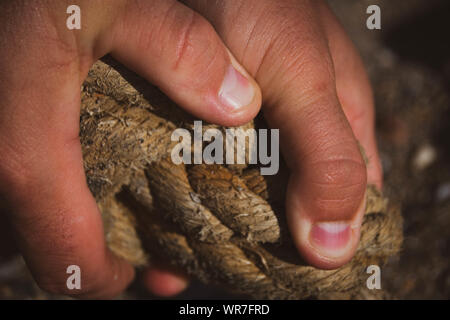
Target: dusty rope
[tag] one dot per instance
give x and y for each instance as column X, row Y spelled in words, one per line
column 221, row 224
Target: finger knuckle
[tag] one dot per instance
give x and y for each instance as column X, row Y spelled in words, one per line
column 194, row 43
column 312, row 67
column 305, row 52
column 340, row 173
column 339, row 186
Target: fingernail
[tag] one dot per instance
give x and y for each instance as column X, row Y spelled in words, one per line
column 330, row 236
column 333, row 238
column 236, row 90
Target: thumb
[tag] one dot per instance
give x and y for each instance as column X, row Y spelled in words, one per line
column 178, row 50
column 293, row 65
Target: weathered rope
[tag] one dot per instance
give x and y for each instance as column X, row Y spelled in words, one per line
column 221, row 224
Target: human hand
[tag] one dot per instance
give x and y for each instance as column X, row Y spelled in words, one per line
column 43, row 64
column 306, row 85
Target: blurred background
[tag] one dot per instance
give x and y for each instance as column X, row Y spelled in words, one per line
column 408, row 61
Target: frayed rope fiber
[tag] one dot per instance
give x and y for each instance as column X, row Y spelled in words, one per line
column 222, row 224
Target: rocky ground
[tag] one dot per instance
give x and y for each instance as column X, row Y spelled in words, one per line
column 408, row 61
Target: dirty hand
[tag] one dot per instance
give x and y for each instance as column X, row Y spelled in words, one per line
column 314, row 90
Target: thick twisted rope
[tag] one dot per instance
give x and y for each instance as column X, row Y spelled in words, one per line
column 221, row 224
